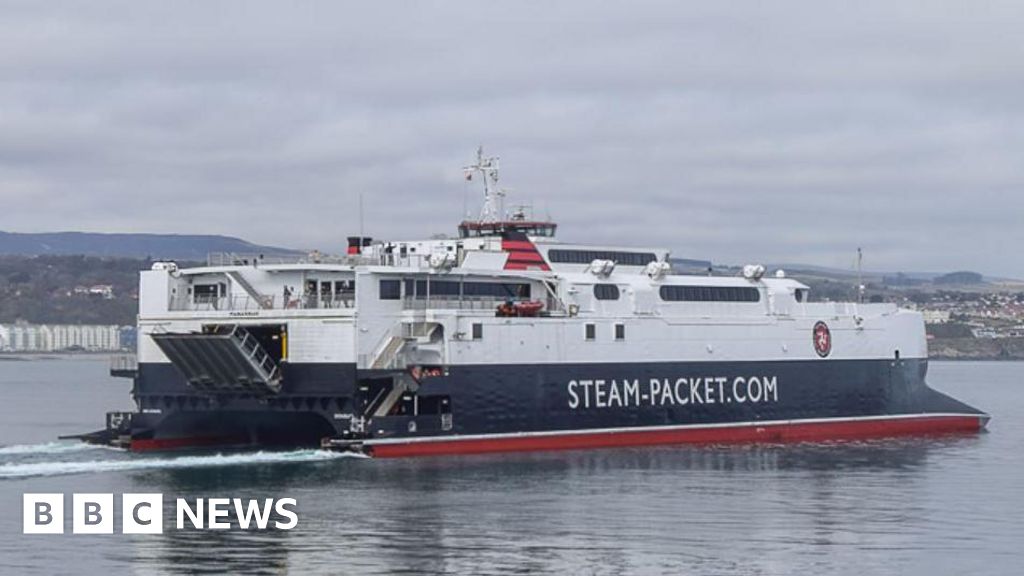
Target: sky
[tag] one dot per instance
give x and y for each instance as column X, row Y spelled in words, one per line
column 738, row 132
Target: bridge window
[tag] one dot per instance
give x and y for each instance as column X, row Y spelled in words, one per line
column 606, row 291
column 709, row 294
column 563, row 256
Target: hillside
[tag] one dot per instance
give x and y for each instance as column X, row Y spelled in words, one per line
column 137, row 246
column 54, row 289
column 976, row 348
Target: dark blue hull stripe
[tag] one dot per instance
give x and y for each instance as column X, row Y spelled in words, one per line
column 508, row 400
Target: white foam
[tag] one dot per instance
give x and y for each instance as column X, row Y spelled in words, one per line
column 146, row 463
column 47, row 448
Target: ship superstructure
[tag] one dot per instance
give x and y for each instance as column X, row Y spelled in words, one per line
column 506, row 339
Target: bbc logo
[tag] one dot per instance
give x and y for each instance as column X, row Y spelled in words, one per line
column 93, row 513
column 144, row 513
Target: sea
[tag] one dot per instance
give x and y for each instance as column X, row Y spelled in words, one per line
column 940, row 505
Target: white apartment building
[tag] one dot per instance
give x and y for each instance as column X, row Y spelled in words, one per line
column 57, row 337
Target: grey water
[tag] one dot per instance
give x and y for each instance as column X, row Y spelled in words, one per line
column 943, row 505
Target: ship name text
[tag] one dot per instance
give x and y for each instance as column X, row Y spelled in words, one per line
column 672, row 392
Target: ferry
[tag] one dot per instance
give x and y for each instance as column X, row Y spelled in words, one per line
column 506, row 339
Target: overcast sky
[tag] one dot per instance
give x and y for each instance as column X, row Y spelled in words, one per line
column 732, row 131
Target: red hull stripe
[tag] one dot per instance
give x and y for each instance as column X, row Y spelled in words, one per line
column 184, row 443
column 745, row 433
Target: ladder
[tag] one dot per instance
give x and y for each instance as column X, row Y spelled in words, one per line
column 265, row 302
column 386, row 358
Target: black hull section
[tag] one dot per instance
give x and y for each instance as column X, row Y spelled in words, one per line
column 319, row 401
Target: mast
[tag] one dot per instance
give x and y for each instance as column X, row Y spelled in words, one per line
column 487, row 167
column 860, row 276
column 493, row 219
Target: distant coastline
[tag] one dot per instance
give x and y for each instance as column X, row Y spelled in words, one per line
column 976, row 349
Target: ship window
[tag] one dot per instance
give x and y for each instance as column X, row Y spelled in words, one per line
column 503, row 290
column 800, row 294
column 206, row 290
column 606, row 291
column 478, row 331
column 590, row 331
column 562, row 256
column 495, row 290
column 208, row 293
column 390, row 290
column 436, row 288
column 620, row 331
column 709, row 294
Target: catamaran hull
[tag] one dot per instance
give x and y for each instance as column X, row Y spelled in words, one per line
column 493, row 408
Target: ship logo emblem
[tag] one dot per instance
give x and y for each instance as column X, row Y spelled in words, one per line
column 822, row 339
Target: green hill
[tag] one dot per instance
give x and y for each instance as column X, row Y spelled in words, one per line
column 54, row 289
column 138, row 246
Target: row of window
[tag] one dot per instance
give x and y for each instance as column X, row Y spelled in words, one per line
column 563, row 256
column 589, row 332
column 689, row 293
column 710, row 294
column 419, row 289
column 474, row 230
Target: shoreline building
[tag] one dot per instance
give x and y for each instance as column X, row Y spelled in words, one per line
column 22, row 337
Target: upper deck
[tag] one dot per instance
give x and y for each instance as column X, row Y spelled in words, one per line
column 500, row 258
column 331, row 287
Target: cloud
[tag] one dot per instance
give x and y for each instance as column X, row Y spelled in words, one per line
column 778, row 132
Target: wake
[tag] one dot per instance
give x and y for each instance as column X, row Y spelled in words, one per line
column 8, row 471
column 48, row 448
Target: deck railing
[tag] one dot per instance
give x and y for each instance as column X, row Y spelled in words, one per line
column 244, row 302
column 489, row 303
column 243, row 259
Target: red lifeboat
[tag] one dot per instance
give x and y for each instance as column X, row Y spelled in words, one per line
column 528, row 309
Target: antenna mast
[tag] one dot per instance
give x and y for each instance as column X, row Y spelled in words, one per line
column 488, row 169
column 860, row 276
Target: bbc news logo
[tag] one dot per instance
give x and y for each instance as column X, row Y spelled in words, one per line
column 144, row 513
